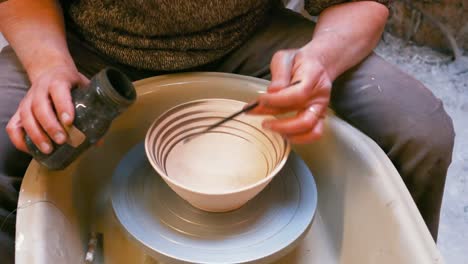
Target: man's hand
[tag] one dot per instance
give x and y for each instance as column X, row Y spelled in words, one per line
column 344, row 35
column 308, row 95
column 36, row 32
column 46, row 109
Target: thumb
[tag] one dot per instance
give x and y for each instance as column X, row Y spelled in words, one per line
column 84, row 81
column 281, row 68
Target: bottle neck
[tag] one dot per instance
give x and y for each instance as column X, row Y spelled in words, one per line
column 115, row 89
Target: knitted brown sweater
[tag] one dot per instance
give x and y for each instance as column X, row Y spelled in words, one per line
column 167, row 35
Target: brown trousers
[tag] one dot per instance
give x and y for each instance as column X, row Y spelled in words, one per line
column 395, row 110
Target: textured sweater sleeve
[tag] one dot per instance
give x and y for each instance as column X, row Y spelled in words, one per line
column 314, row 7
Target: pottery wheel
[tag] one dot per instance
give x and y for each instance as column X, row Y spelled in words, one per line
column 170, row 229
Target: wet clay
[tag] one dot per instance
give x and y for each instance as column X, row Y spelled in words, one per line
column 216, row 162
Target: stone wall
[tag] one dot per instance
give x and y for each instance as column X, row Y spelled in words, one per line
column 407, row 23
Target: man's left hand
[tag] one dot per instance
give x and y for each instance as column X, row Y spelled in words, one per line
column 300, row 84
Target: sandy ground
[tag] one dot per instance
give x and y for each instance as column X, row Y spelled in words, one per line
column 451, row 85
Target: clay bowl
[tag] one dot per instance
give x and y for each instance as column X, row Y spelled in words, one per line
column 219, row 170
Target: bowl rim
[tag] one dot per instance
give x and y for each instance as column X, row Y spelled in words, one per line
column 264, row 180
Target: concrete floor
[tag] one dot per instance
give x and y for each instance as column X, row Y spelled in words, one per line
column 449, row 82
column 451, row 85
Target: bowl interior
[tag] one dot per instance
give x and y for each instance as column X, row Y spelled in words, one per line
column 236, row 155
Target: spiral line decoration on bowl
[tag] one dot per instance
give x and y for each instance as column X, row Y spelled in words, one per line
column 235, row 160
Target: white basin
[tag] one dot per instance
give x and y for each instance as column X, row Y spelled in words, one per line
column 365, row 213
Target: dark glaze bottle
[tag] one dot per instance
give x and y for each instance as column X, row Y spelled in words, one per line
column 96, row 106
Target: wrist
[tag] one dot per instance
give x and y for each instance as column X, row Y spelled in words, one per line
column 46, row 61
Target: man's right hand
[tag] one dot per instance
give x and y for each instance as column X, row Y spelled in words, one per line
column 36, row 32
column 46, row 109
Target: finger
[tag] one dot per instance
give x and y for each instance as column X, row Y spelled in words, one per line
column 281, row 70
column 310, row 136
column 15, row 131
column 264, row 110
column 295, row 96
column 44, row 114
column 62, row 100
column 33, row 129
column 303, row 122
column 84, row 81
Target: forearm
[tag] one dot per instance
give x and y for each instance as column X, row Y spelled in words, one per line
column 345, row 34
column 35, row 30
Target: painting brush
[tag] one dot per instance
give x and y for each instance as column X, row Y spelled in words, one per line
column 224, row 120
